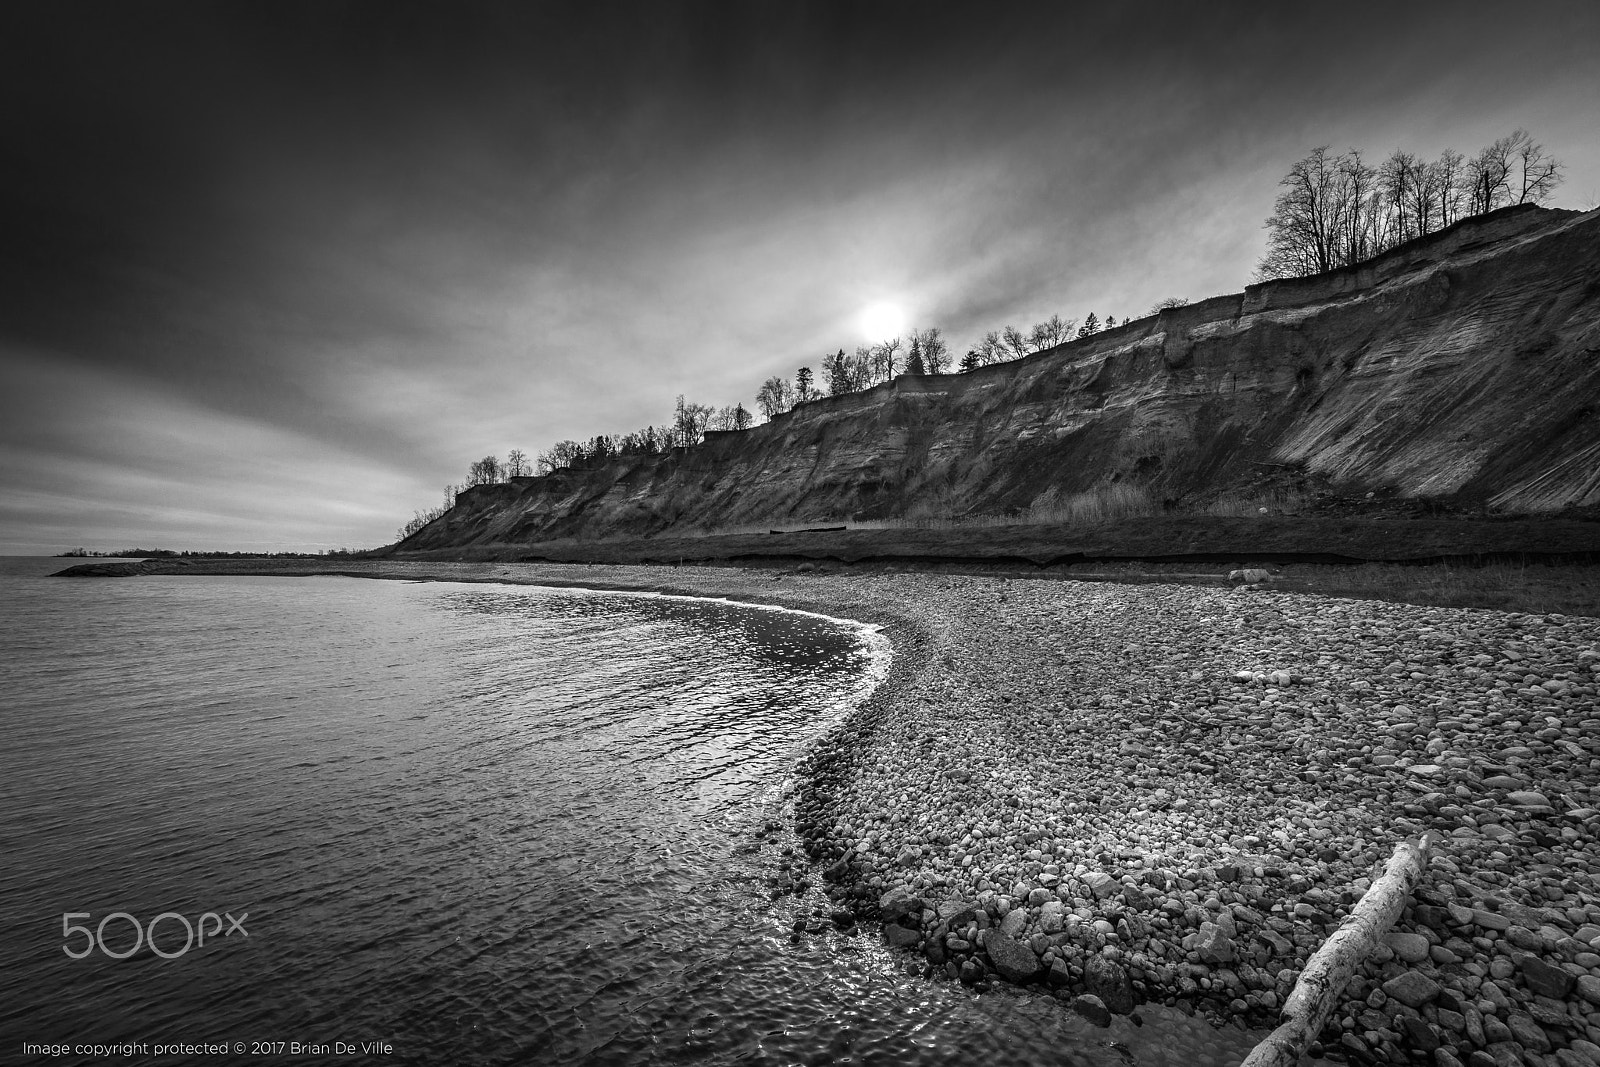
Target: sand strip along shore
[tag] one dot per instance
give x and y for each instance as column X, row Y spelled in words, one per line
column 1172, row 793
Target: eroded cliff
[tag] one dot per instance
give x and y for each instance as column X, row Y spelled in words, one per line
column 1462, row 368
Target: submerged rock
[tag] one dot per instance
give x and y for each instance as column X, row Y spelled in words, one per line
column 1092, row 1008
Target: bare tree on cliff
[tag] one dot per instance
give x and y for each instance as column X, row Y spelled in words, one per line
column 1355, row 216
column 1051, row 332
column 1488, row 177
column 1335, row 211
column 516, row 463
column 1016, row 345
column 732, row 417
column 935, row 354
column 1449, row 176
column 485, row 471
column 1425, row 192
column 885, row 356
column 775, row 397
column 1169, row 302
column 1304, row 219
column 1398, row 178
column 561, row 454
column 1513, row 170
column 861, row 369
column 991, row 349
column 1535, row 172
column 689, row 422
column 802, row 385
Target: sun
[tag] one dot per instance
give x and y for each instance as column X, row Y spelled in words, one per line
column 882, row 321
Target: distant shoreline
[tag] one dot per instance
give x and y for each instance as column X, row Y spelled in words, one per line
column 1510, row 566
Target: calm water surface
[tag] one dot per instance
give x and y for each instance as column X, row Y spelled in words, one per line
column 483, row 824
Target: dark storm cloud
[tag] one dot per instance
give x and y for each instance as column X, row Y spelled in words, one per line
column 359, row 244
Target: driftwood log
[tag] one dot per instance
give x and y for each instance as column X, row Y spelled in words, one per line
column 1306, row 1010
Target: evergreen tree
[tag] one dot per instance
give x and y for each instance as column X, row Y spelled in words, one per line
column 914, row 360
column 839, row 372
column 971, row 361
column 1090, row 325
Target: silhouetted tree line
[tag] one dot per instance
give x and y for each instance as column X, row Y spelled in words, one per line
column 1002, row 346
column 1338, row 210
column 688, row 427
column 689, row 424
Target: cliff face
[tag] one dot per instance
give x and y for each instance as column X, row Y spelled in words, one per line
column 1462, row 368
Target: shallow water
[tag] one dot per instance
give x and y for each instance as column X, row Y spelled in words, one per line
column 482, row 824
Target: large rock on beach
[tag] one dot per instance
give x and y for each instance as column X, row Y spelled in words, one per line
column 1214, row 946
column 1544, row 978
column 1109, row 981
column 1014, row 961
column 1413, row 989
column 958, row 913
column 899, row 905
column 1412, row 948
column 1100, row 884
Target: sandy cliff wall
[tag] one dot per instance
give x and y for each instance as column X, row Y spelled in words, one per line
column 1463, row 367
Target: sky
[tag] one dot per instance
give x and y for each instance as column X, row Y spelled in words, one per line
column 273, row 274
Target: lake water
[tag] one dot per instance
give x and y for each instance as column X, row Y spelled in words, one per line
column 474, row 823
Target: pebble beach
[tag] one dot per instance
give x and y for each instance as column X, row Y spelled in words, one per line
column 1132, row 794
column 1169, row 793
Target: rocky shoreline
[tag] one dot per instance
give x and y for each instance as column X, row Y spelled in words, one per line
column 1161, row 793
column 1171, row 794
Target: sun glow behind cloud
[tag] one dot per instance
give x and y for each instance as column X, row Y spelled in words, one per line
column 881, row 321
